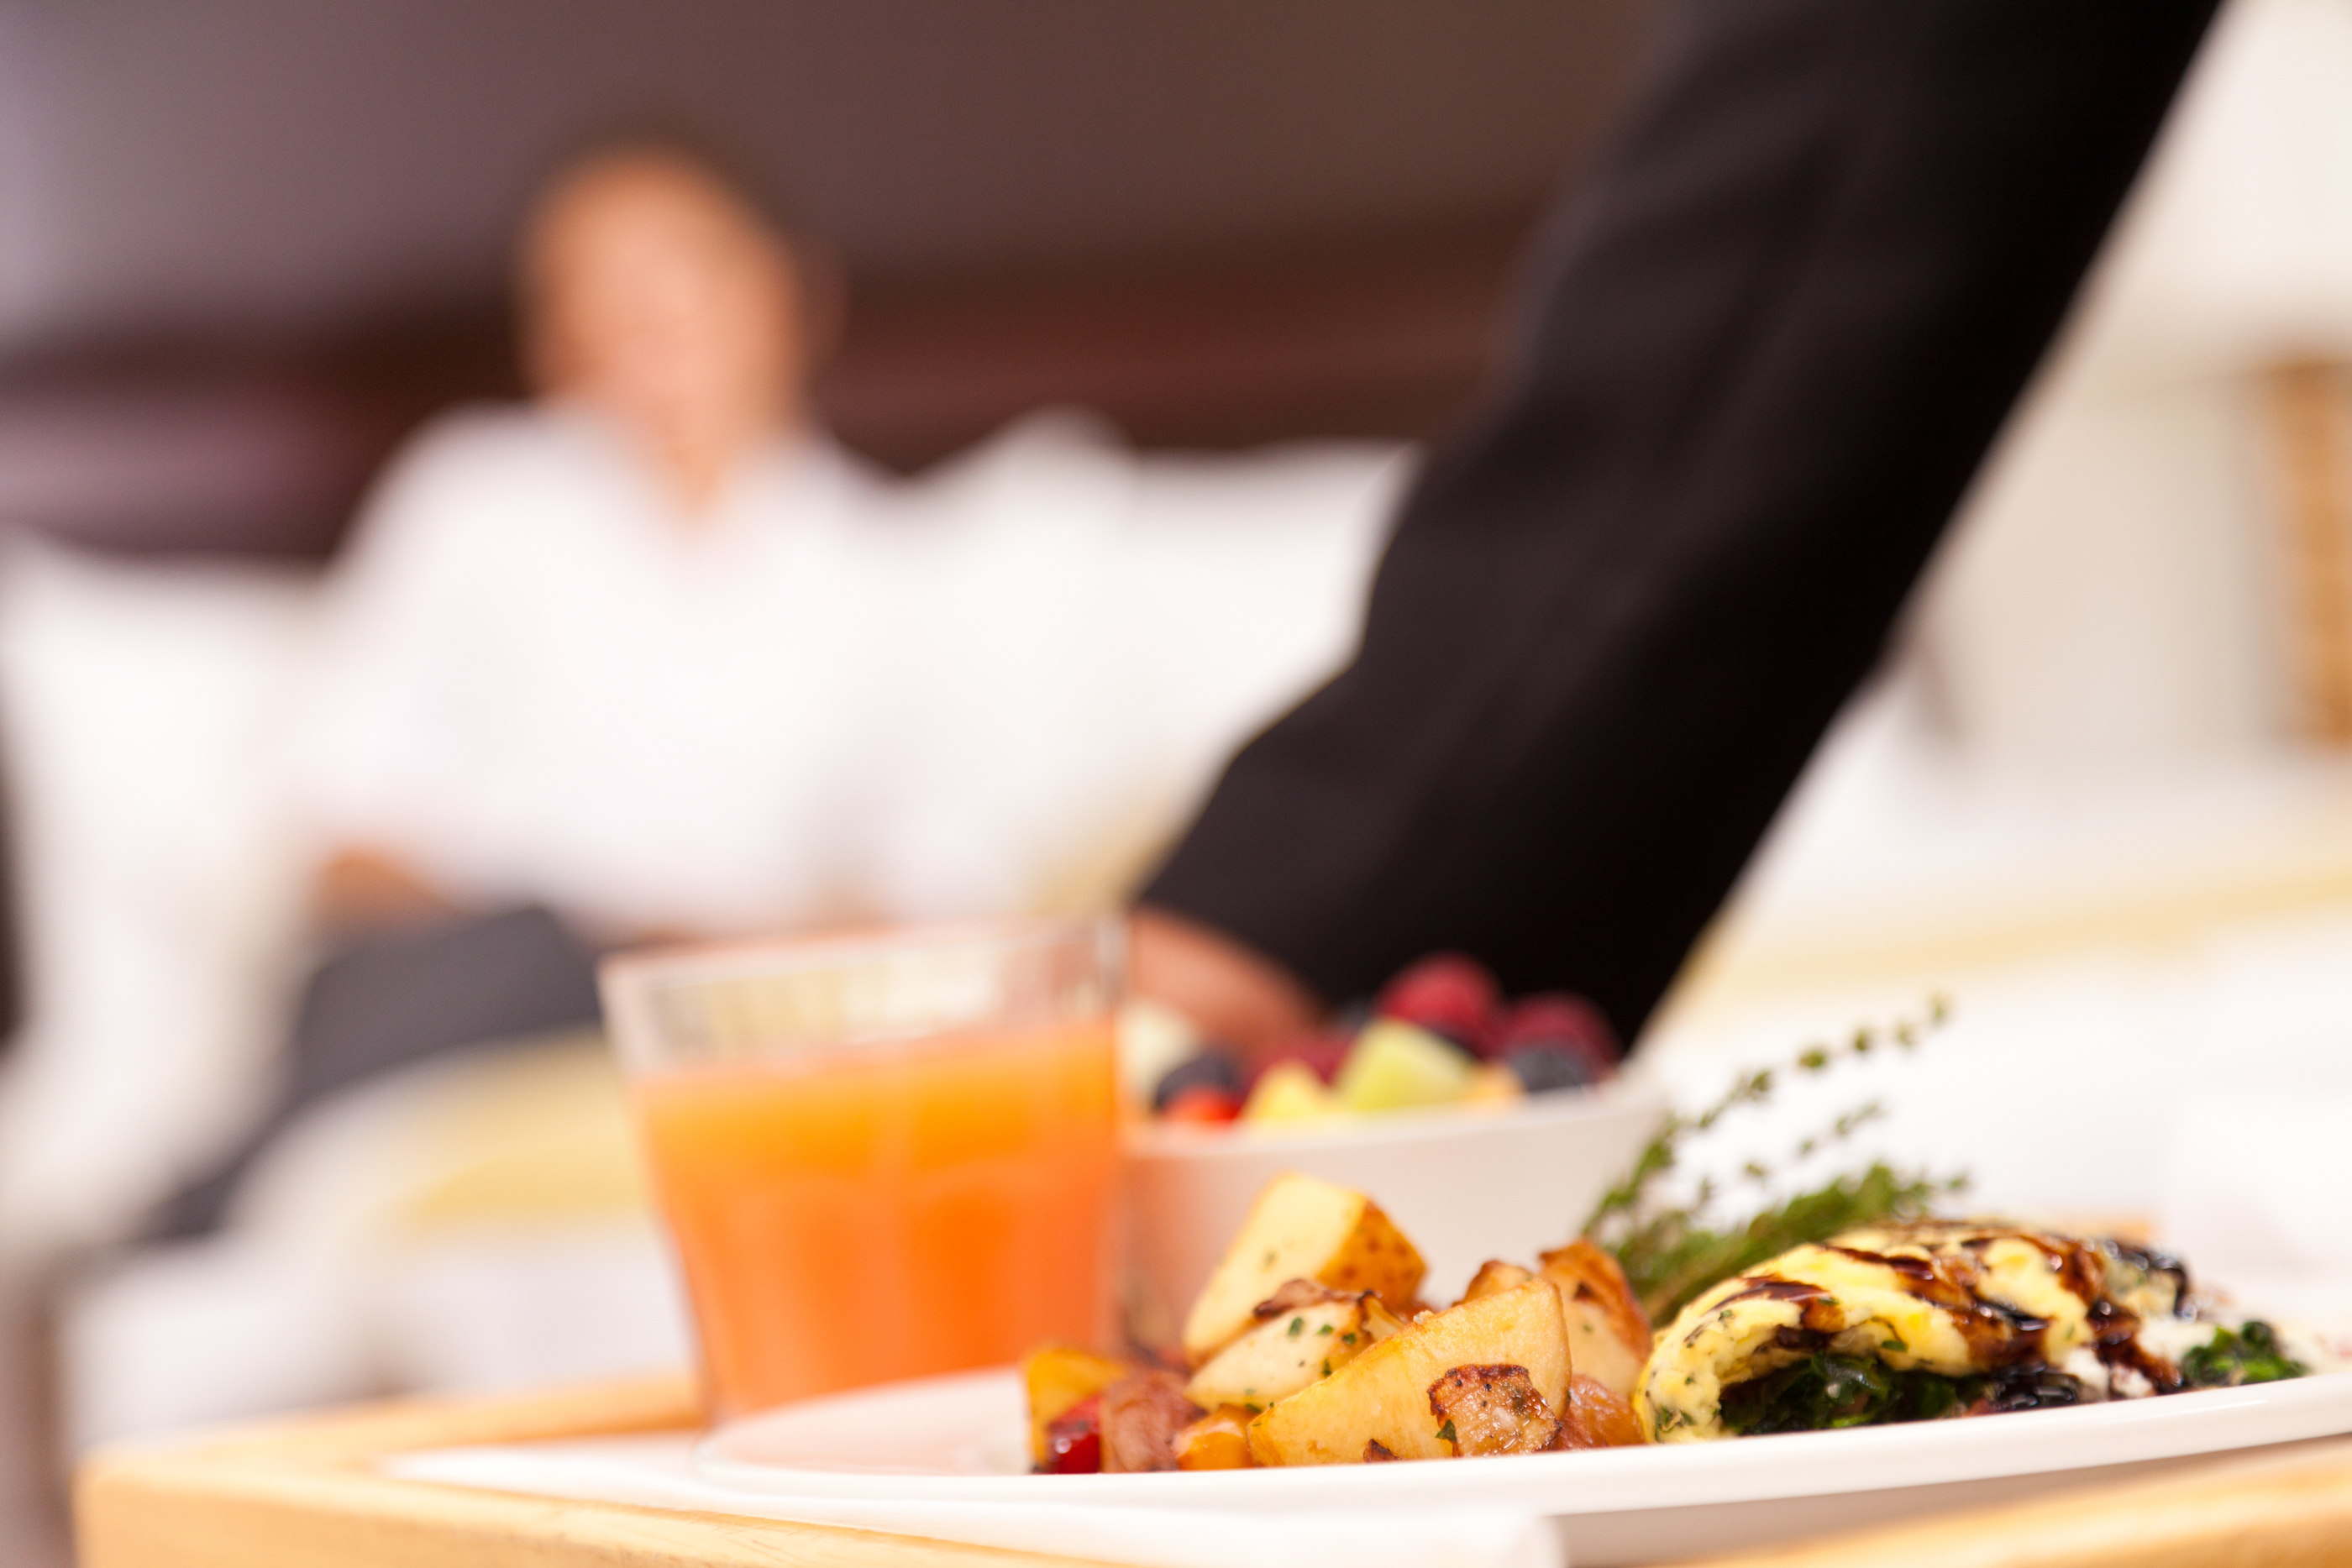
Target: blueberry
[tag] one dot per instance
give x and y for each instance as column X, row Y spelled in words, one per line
column 1210, row 1068
column 1541, row 1068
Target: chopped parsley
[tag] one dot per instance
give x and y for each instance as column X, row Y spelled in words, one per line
column 1446, row 1431
column 1324, row 1329
column 1296, row 1325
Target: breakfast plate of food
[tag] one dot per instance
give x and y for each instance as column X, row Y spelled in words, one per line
column 1912, row 1363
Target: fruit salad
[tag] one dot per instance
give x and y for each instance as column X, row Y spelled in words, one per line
column 1441, row 1033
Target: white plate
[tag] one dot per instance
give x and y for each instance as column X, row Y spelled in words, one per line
column 962, row 1438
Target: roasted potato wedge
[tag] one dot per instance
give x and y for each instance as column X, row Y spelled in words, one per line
column 1383, row 1396
column 1596, row 1418
column 1059, row 1377
column 1381, row 1323
column 1285, row 1351
column 1301, row 1228
column 1494, row 1277
column 1606, row 1326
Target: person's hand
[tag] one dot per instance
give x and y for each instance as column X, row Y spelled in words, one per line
column 1230, row 991
column 363, row 889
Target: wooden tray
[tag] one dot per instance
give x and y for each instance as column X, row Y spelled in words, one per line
column 303, row 1493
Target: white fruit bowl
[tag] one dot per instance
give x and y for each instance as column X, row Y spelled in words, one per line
column 1465, row 1184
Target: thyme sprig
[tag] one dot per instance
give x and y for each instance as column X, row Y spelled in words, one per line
column 1671, row 1253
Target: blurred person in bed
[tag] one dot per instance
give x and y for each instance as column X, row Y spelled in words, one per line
column 595, row 664
column 569, row 647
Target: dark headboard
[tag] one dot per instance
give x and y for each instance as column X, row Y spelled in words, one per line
column 245, row 246
column 248, row 244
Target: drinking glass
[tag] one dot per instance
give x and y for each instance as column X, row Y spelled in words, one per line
column 882, row 1156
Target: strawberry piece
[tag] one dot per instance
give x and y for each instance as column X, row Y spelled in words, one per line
column 1073, row 1439
column 1204, row 1104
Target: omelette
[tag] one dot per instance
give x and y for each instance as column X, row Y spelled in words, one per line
column 1934, row 1319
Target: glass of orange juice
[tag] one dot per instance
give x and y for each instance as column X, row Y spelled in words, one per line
column 881, row 1156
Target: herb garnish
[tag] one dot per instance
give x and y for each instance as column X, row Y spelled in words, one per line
column 2252, row 1355
column 1671, row 1254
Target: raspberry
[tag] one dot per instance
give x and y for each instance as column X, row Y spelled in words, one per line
column 1450, row 994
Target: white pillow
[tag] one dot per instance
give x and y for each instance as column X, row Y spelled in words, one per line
column 1098, row 630
column 144, row 710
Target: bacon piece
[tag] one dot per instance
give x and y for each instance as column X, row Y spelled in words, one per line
column 1142, row 1413
column 1492, row 1410
column 1292, row 1294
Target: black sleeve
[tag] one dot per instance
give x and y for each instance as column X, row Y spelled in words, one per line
column 1770, row 344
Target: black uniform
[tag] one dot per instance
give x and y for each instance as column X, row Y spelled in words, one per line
column 1770, row 344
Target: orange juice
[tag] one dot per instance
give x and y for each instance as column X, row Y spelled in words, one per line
column 885, row 1211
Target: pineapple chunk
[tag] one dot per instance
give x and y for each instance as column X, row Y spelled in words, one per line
column 1301, row 1228
column 1383, row 1396
column 1217, row 1441
column 1606, row 1325
column 1058, row 1377
column 1289, row 1092
column 1290, row 1347
column 1492, row 1086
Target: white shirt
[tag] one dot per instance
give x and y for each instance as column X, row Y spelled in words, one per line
column 543, row 682
column 1000, row 689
